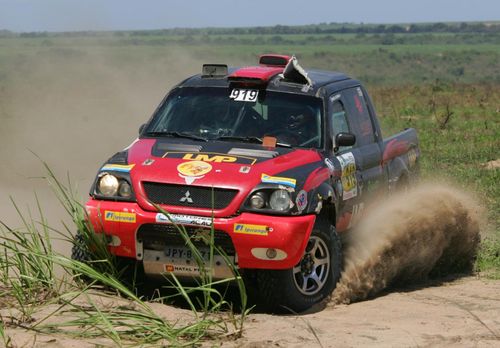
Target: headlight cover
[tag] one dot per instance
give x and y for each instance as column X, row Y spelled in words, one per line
column 108, row 185
column 113, row 186
column 280, row 200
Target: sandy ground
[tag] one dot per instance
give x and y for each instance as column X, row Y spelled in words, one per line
column 461, row 313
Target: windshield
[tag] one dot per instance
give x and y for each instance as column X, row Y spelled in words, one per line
column 220, row 113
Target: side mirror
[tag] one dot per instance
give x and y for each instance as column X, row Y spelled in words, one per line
column 141, row 128
column 344, row 139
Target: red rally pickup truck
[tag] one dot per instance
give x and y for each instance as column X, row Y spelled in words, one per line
column 278, row 159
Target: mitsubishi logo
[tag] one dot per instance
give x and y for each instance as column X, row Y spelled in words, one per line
column 187, row 197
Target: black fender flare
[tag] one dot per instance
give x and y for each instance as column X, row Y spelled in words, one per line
column 323, row 200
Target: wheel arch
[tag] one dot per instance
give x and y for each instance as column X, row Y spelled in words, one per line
column 322, row 204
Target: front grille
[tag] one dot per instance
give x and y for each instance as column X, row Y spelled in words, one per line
column 198, row 196
column 158, row 236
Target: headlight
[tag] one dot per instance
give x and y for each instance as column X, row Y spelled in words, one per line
column 125, row 190
column 108, row 185
column 257, row 201
column 280, row 200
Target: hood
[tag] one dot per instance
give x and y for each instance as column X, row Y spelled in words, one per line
column 228, row 167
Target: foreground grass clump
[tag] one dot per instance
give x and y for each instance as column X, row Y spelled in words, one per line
column 89, row 300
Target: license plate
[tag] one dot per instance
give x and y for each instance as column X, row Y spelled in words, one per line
column 185, row 253
column 181, row 262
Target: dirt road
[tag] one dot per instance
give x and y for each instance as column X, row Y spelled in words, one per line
column 461, row 313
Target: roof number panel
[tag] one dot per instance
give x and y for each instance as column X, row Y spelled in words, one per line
column 246, row 95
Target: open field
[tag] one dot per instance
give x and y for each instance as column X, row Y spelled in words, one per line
column 76, row 100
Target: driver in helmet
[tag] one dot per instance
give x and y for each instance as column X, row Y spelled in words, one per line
column 301, row 125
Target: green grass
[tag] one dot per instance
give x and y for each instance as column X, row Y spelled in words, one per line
column 27, row 264
column 457, row 149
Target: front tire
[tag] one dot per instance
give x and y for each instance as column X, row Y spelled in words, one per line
column 311, row 281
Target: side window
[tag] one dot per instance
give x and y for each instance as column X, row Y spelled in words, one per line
column 360, row 117
column 338, row 118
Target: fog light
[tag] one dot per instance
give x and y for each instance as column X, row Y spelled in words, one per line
column 125, row 190
column 257, row 201
column 271, row 253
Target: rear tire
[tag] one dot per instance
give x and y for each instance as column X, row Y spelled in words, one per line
column 311, row 281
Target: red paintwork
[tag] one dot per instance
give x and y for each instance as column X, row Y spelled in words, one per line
column 316, row 178
column 262, row 73
column 289, row 234
column 223, row 175
column 393, row 149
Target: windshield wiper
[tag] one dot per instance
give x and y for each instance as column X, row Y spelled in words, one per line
column 177, row 135
column 248, row 139
column 240, row 138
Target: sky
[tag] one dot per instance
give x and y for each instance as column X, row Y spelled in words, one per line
column 77, row 15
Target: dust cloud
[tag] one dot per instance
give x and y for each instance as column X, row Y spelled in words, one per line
column 74, row 106
column 432, row 229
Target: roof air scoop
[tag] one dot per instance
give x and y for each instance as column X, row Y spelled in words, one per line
column 274, row 60
column 293, row 72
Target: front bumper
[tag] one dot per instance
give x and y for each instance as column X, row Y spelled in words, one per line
column 252, row 234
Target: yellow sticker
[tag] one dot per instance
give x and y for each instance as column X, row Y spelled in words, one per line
column 118, row 216
column 278, row 180
column 259, row 230
column 118, row 167
column 194, row 168
column 208, row 158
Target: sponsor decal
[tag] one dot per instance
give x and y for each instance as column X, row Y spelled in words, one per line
column 349, row 180
column 118, row 216
column 286, row 188
column 211, row 157
column 357, row 212
column 301, row 200
column 259, row 230
column 267, row 179
column 184, row 269
column 148, row 162
column 334, row 97
column 329, row 164
column 118, row 167
column 183, row 219
column 192, row 170
column 359, row 106
column 245, row 169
